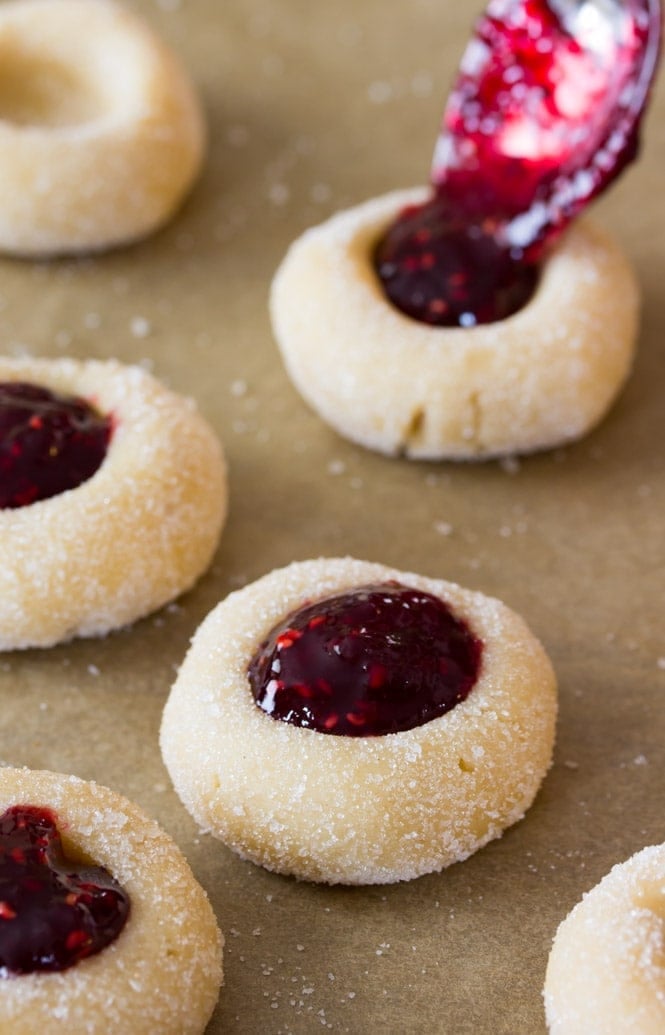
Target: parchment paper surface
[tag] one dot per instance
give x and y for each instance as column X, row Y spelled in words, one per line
column 313, row 107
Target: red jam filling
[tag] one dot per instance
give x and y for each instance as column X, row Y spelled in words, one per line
column 374, row 660
column 53, row 911
column 48, row 443
column 544, row 115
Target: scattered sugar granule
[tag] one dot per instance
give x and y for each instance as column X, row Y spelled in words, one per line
column 510, row 465
column 320, row 193
column 237, row 136
column 279, row 193
column 661, row 663
column 63, row 339
column 238, row 388
column 380, row 91
column 422, row 84
column 443, row 527
column 350, row 35
column 140, row 326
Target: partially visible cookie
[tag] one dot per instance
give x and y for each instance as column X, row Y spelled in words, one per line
column 539, row 378
column 606, row 971
column 160, row 973
column 134, row 534
column 101, row 132
column 331, row 799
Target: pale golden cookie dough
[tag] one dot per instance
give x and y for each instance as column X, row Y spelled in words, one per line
column 163, row 972
column 356, row 810
column 542, row 377
column 135, row 535
column 101, row 133
column 606, row 971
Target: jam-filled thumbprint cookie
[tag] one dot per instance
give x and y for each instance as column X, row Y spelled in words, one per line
column 101, row 132
column 348, row 723
column 470, row 319
column 112, row 498
column 103, row 928
column 606, row 971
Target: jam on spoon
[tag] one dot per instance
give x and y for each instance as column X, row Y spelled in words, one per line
column 369, row 661
column 544, row 115
column 48, row 443
column 53, row 911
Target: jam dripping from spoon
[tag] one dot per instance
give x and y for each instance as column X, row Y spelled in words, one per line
column 544, row 115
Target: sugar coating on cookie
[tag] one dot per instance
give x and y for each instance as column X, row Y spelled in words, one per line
column 606, row 970
column 135, row 535
column 542, row 377
column 101, row 132
column 163, row 971
column 356, row 810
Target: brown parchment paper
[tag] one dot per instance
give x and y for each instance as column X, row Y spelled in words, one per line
column 311, row 107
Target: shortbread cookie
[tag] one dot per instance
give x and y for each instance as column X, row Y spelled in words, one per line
column 160, row 968
column 539, row 378
column 136, row 530
column 606, row 971
column 308, row 779
column 101, row 133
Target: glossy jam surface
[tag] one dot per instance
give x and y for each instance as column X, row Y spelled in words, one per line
column 544, row 115
column 48, row 443
column 370, row 661
column 443, row 270
column 53, row 911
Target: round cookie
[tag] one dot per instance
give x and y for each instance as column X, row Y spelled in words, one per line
column 135, row 535
column 606, row 971
column 539, row 378
column 101, row 133
column 163, row 971
column 356, row 810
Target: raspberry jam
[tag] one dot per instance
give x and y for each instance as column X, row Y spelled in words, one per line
column 374, row 660
column 544, row 115
column 48, row 443
column 53, row 911
column 439, row 268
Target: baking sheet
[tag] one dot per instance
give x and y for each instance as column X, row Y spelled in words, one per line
column 312, row 107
